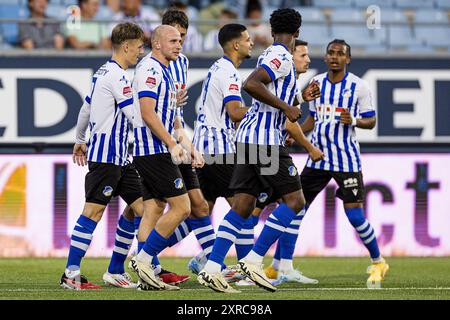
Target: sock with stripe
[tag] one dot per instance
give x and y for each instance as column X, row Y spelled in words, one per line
column 255, row 220
column 154, row 244
column 276, row 257
column 124, row 239
column 274, row 227
column 287, row 241
column 365, row 231
column 181, row 232
column 245, row 239
column 204, row 232
column 226, row 235
column 79, row 243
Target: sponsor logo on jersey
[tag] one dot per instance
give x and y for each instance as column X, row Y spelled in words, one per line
column 127, row 91
column 275, row 63
column 151, row 82
column 178, row 183
column 234, row 88
column 107, row 191
column 263, row 197
column 292, row 171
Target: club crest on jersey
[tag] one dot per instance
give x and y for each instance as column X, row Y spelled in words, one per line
column 127, row 91
column 263, row 197
column 292, row 171
column 346, row 93
column 107, row 191
column 178, row 183
column 350, row 183
column 275, row 63
column 151, row 82
column 234, row 88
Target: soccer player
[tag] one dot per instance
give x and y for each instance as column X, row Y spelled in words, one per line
column 158, row 150
column 345, row 103
column 214, row 135
column 272, row 86
column 109, row 107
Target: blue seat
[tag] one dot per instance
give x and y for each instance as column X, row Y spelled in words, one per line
column 355, row 36
column 418, row 49
column 69, row 2
column 333, row 4
column 414, row 4
column 56, row 11
column 10, row 31
column 443, row 4
column 401, row 36
column 104, row 12
column 311, row 14
column 430, row 16
column 393, row 16
column 348, row 15
column 381, row 3
column 316, row 35
column 436, row 36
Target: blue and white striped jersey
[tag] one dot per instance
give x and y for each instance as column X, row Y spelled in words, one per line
column 264, row 124
column 338, row 141
column 153, row 79
column 179, row 69
column 214, row 131
column 111, row 102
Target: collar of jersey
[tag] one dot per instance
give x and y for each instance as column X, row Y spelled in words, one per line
column 114, row 61
column 228, row 59
column 163, row 66
column 345, row 77
column 280, row 44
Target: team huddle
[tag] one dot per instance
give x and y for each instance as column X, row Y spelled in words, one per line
column 239, row 153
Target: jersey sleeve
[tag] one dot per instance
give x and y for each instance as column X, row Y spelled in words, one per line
column 148, row 83
column 121, row 90
column 365, row 103
column 277, row 65
column 231, row 86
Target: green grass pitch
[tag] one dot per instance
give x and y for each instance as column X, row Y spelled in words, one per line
column 340, row 278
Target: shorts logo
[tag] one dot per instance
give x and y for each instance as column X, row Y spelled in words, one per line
column 234, row 88
column 351, row 183
column 178, row 183
column 151, row 82
column 346, row 93
column 292, row 171
column 107, row 191
column 263, row 197
column 275, row 63
column 127, row 91
column 355, row 192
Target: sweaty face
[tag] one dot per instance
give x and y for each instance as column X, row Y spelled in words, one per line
column 135, row 48
column 301, row 59
column 171, row 44
column 337, row 57
column 245, row 45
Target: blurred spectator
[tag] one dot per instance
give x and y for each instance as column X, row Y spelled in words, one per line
column 132, row 10
column 113, row 5
column 88, row 34
column 211, row 41
column 194, row 40
column 107, row 11
column 211, row 12
column 259, row 32
column 39, row 34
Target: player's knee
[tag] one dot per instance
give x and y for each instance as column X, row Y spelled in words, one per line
column 296, row 203
column 182, row 208
column 244, row 205
column 200, row 209
column 93, row 211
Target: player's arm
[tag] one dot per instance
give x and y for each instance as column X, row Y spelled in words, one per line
column 295, row 131
column 197, row 159
column 367, row 117
column 79, row 149
column 311, row 92
column 363, row 123
column 255, row 85
column 308, row 124
column 236, row 110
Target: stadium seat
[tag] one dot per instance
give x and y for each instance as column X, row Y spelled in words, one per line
column 70, row 2
column 347, row 15
column 431, row 16
column 393, row 16
column 332, row 4
column 316, row 35
column 443, row 4
column 10, row 31
column 436, row 36
column 414, row 4
column 104, row 12
column 381, row 3
column 401, row 36
column 56, row 11
column 356, row 36
column 419, row 49
column 311, row 14
column 375, row 49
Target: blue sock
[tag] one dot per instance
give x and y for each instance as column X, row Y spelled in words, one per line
column 204, row 232
column 228, row 231
column 289, row 237
column 277, row 255
column 364, row 229
column 181, row 232
column 124, row 239
column 245, row 239
column 255, row 220
column 155, row 261
column 140, row 245
column 154, row 244
column 80, row 241
column 274, row 227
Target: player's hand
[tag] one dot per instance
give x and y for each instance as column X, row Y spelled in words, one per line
column 197, row 159
column 346, row 117
column 182, row 98
column 293, row 113
column 79, row 154
column 312, row 91
column 289, row 141
column 178, row 154
column 316, row 154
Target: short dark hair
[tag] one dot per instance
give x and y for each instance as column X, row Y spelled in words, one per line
column 230, row 32
column 126, row 31
column 175, row 17
column 343, row 42
column 285, row 21
column 299, row 42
